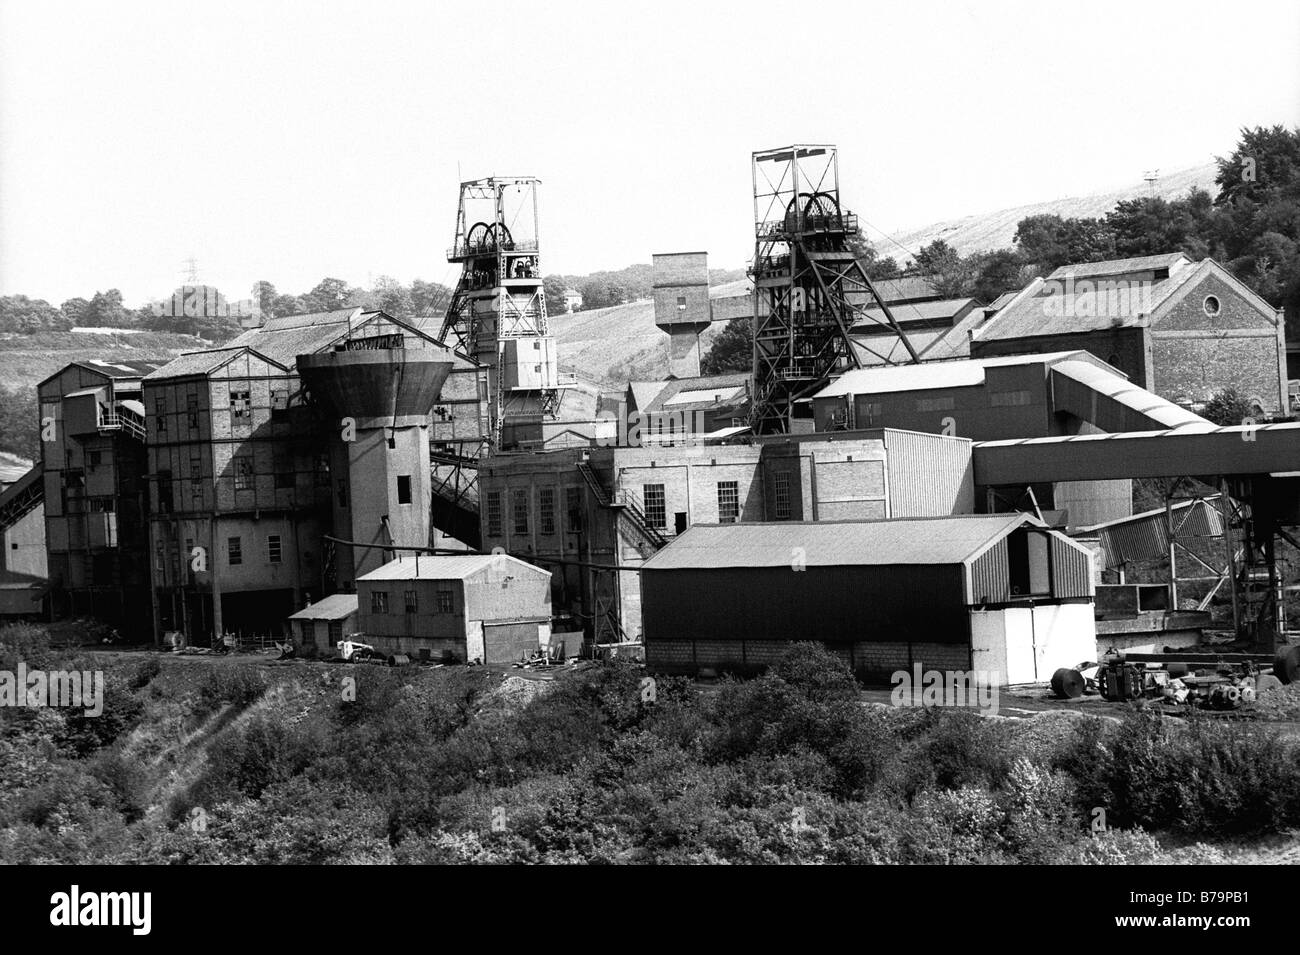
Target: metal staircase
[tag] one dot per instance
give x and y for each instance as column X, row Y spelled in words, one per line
column 628, row 510
column 21, row 497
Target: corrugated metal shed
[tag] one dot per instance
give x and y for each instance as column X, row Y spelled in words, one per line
column 1145, row 536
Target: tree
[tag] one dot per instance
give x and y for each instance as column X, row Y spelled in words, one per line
column 391, row 296
column 429, row 299
column 886, row 268
column 19, row 423
column 264, row 294
column 18, row 313
column 1229, row 407
column 74, row 310
column 950, row 273
column 553, row 288
column 328, row 295
column 995, row 273
column 106, row 309
column 732, row 350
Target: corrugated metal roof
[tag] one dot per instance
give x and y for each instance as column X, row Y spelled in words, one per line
column 439, row 567
column 934, row 540
column 951, row 374
column 333, row 607
column 1115, row 386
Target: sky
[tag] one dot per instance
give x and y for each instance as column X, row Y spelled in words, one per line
column 293, row 141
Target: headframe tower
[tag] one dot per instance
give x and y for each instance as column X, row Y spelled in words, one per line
column 497, row 315
column 809, row 287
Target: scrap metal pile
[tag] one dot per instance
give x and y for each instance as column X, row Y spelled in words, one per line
column 1214, row 681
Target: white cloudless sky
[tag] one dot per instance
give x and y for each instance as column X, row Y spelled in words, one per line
column 293, row 141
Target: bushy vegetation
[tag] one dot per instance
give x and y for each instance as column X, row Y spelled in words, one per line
column 446, row 767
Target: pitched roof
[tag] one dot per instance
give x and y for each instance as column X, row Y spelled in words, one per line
column 927, row 540
column 947, row 374
column 705, row 391
column 1104, row 298
column 283, row 339
column 1142, row 263
column 333, row 607
column 440, row 567
column 195, row 363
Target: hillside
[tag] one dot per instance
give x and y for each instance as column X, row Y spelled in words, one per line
column 996, row 230
column 27, row 360
column 621, row 343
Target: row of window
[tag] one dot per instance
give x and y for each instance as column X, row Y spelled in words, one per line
column 234, row 551
column 653, row 497
column 444, row 601
column 241, row 407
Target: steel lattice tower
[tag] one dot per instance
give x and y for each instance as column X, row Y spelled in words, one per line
column 809, row 288
column 497, row 314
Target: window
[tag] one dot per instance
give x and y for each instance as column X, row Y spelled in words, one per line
column 573, row 508
column 681, row 303
column 102, row 505
column 159, row 556
column 519, row 508
column 1007, row 399
column 379, row 601
column 403, row 489
column 934, row 404
column 273, row 548
column 494, row 514
column 196, row 472
column 322, row 470
column 279, row 401
column 160, row 414
column 243, row 464
column 241, row 405
column 282, row 465
column 93, row 460
column 872, row 412
column 1211, row 305
column 234, row 551
column 411, row 601
column 656, row 511
column 446, row 602
column 1028, row 563
column 728, row 502
column 343, row 493
column 192, row 409
column 781, row 486
column 546, row 509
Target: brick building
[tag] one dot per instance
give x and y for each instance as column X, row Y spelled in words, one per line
column 1180, row 329
column 486, row 608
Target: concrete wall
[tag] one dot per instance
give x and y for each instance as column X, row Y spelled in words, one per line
column 22, row 545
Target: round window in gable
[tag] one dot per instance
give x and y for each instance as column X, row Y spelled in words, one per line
column 1211, row 305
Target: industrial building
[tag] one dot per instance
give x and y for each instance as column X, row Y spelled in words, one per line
column 320, row 626
column 94, row 490
column 594, row 515
column 997, row 593
column 254, row 458
column 270, row 483
column 483, row 608
column 1183, row 330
